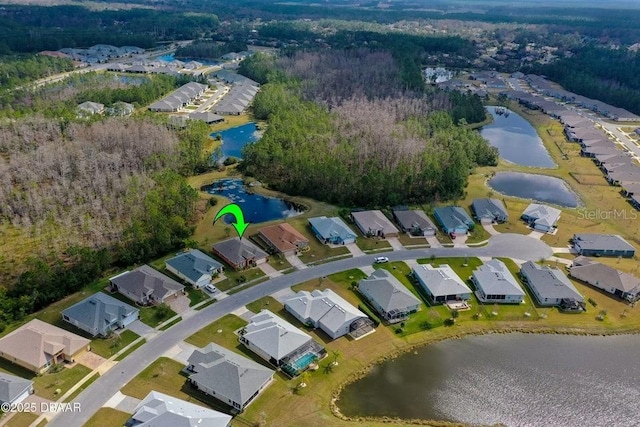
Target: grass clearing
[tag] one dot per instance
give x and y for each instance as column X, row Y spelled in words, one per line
column 227, row 325
column 195, row 295
column 107, row 347
column 279, row 262
column 265, row 303
column 370, row 244
column 82, row 387
column 108, row 417
column 45, row 385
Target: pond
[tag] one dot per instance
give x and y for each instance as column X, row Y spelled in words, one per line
column 513, row 379
column 516, row 140
column 544, row 189
column 256, row 208
column 234, row 139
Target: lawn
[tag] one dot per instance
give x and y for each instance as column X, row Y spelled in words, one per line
column 478, row 234
column 370, row 244
column 195, row 295
column 22, row 419
column 279, row 262
column 46, row 384
column 408, row 241
column 265, row 303
column 152, row 315
column 107, row 347
column 131, row 350
column 82, row 387
column 227, row 326
column 108, row 417
column 237, row 278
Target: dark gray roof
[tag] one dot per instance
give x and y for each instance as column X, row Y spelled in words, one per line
column 409, row 219
column 603, row 276
column 372, row 221
column 453, row 216
column 99, row 311
column 206, row 117
column 194, row 264
column 608, row 242
column 274, row 335
column 549, row 282
column 161, row 410
column 228, row 373
column 144, row 281
column 238, row 250
column 489, row 208
column 388, row 292
column 11, row 387
column 331, row 227
column 495, row 279
column 441, row 280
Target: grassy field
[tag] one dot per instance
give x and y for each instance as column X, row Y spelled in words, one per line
column 266, row 303
column 82, row 387
column 46, row 385
column 22, row 419
column 369, row 244
column 108, row 417
column 195, row 295
column 227, row 326
column 107, row 347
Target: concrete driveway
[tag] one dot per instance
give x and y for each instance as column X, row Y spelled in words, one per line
column 269, row 271
column 395, row 243
column 181, row 352
column 296, row 262
column 179, row 303
column 355, row 250
column 140, row 328
column 489, row 228
column 90, row 360
column 433, row 242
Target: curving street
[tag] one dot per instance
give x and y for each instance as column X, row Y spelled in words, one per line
column 514, row 246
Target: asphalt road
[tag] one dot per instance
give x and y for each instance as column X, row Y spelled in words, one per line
column 95, row 396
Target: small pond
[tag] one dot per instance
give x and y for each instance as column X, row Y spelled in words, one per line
column 514, row 379
column 234, row 139
column 544, row 189
column 256, row 207
column 516, row 140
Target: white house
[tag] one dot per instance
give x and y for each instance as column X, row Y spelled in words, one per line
column 495, row 284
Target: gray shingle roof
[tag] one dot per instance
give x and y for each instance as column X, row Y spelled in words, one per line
column 332, row 227
column 228, row 373
column 411, row 219
column 145, row 280
column 161, row 410
column 388, row 292
column 373, row 221
column 489, row 208
column 609, row 242
column 453, row 217
column 549, row 282
column 603, row 276
column 274, row 335
column 441, row 280
column 495, row 279
column 194, row 264
column 543, row 214
column 99, row 311
column 12, row 387
column 238, row 250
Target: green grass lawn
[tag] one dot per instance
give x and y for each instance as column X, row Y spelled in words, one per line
column 195, row 295
column 82, row 387
column 478, row 234
column 107, row 347
column 22, row 419
column 227, row 338
column 108, row 417
column 236, row 278
column 372, row 244
column 170, row 324
column 131, row 350
column 265, row 303
column 46, row 384
column 278, row 261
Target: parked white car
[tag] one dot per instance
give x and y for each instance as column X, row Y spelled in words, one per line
column 381, row 259
column 211, row 289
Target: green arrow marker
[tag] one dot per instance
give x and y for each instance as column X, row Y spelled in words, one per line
column 240, row 225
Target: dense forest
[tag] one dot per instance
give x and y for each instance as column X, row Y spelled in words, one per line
column 344, row 128
column 609, row 75
column 207, row 49
column 18, row 70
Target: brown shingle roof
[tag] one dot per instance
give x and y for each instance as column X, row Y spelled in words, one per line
column 283, row 237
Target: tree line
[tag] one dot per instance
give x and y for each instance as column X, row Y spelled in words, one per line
column 208, row 49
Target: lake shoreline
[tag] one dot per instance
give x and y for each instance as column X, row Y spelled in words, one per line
column 543, row 330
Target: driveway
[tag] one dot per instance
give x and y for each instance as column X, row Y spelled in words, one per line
column 283, row 295
column 296, row 262
column 489, row 228
column 433, row 242
column 460, row 241
column 355, row 250
column 90, row 360
column 395, row 243
column 140, row 328
column 179, row 303
column 536, row 234
column 269, row 271
column 181, row 352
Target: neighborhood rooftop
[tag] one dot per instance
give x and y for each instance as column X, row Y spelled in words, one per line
column 387, row 291
column 273, row 335
column 549, row 283
column 607, row 278
column 374, row 223
column 414, row 220
column 193, row 265
column 332, row 230
column 13, row 388
column 238, row 251
column 440, row 281
column 490, row 210
column 602, row 244
column 99, row 314
column 146, row 282
column 494, row 280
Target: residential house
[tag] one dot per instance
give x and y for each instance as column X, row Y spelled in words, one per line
column 453, row 220
column 121, row 109
column 615, row 282
column 194, row 267
column 89, row 108
column 181, row 97
column 551, row 287
column 611, row 245
column 495, row 284
column 161, row 410
column 37, row 346
column 441, row 284
column 489, row 211
column 208, row 118
column 283, row 239
column 326, row 310
column 332, row 230
column 239, row 253
column 14, row 390
column 146, row 286
column 100, row 314
column 388, row 296
column 227, row 376
column 414, row 222
column 374, row 224
column 280, row 343
column 541, row 217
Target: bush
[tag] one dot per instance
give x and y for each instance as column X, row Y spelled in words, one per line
column 449, row 322
column 212, row 201
column 230, row 161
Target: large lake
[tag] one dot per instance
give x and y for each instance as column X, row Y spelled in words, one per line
column 516, row 140
column 255, row 207
column 514, row 379
column 544, row 189
column 234, row 139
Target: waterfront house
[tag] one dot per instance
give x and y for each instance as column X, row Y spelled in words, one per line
column 326, row 310
column 146, row 286
column 488, row 211
column 194, row 267
column 283, row 239
column 441, row 284
column 239, row 253
column 453, row 220
column 608, row 279
column 100, row 314
column 551, row 287
column 227, row 376
column 332, row 230
column 611, row 245
column 374, row 224
column 37, row 346
column 495, row 284
column 541, row 217
column 161, row 410
column 414, row 222
column 388, row 296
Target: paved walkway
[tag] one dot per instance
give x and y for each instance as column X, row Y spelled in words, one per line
column 269, row 271
column 489, row 228
column 367, row 269
column 355, row 250
column 433, row 242
column 566, row 250
column 296, row 262
column 536, row 234
column 140, row 328
column 395, row 243
column 90, row 360
column 181, row 352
